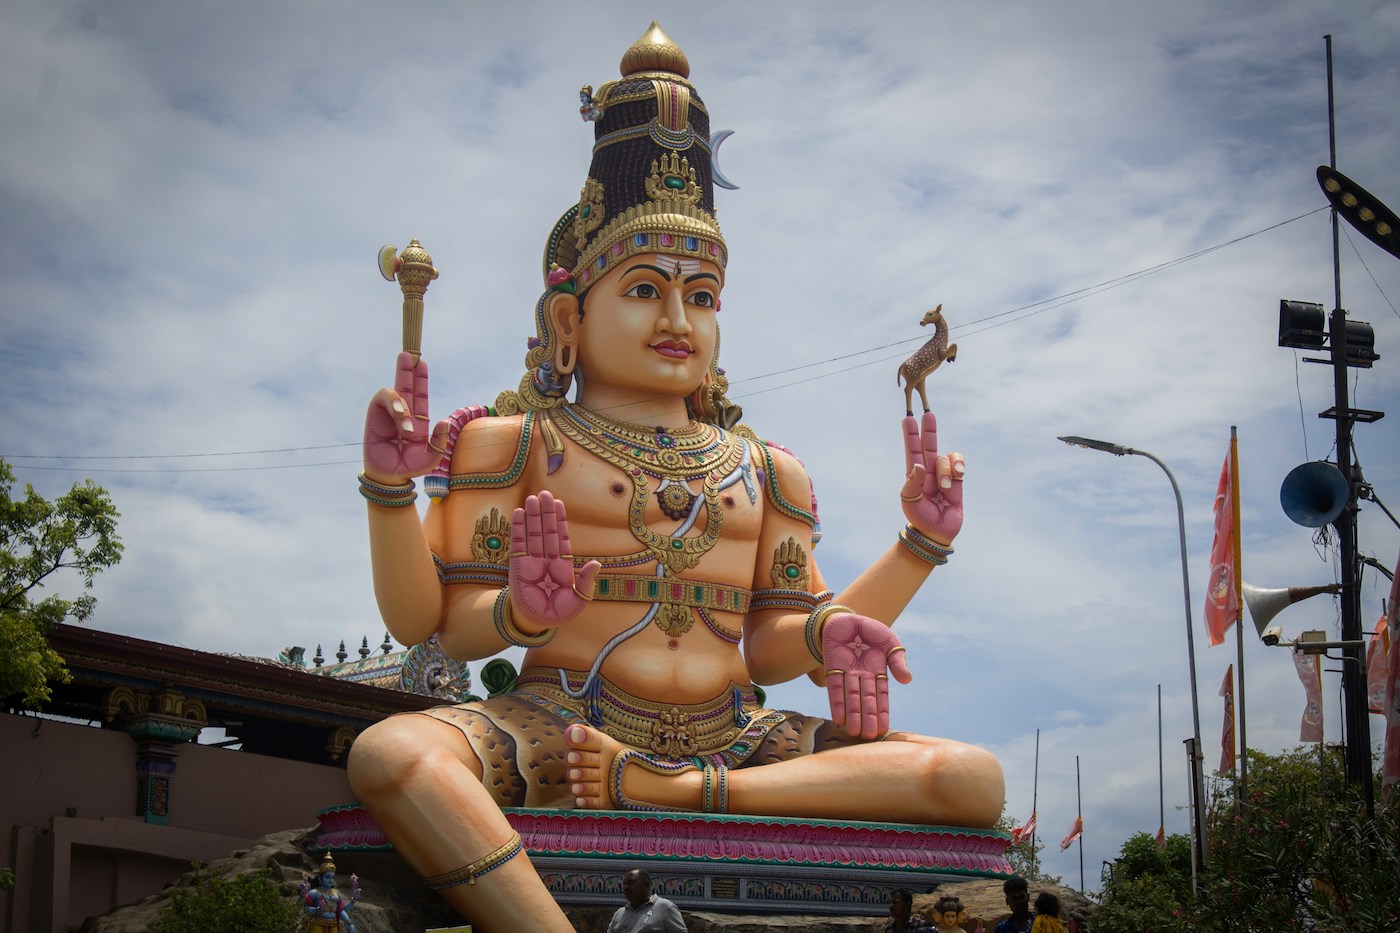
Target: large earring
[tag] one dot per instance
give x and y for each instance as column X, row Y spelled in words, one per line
column 709, row 402
column 542, row 387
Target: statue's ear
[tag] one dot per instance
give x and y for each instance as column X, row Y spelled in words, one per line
column 564, row 314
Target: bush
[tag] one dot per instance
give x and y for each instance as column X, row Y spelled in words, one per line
column 1146, row 904
column 1302, row 852
column 247, row 903
column 1299, row 853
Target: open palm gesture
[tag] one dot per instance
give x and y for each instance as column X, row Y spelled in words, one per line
column 861, row 653
column 543, row 586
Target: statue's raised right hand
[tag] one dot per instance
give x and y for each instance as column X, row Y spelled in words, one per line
column 543, row 586
column 398, row 445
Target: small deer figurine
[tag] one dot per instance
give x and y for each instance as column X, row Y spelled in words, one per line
column 913, row 371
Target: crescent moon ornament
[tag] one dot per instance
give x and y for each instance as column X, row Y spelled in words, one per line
column 715, row 141
column 388, row 262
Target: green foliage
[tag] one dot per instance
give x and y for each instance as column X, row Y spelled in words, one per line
column 38, row 538
column 7, row 879
column 1150, row 888
column 247, row 903
column 1025, row 861
column 1144, row 904
column 1302, row 849
column 1169, row 863
column 1299, row 853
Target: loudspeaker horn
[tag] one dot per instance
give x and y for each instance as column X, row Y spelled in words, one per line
column 1264, row 604
column 1314, row 494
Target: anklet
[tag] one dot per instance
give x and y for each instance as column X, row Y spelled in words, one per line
column 504, row 620
column 816, row 623
column 468, row 874
column 663, row 768
column 716, row 798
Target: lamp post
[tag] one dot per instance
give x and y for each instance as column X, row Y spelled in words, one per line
column 1198, row 849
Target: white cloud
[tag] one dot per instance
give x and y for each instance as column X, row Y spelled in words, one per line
column 192, row 198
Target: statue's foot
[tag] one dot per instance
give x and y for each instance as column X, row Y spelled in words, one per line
column 604, row 774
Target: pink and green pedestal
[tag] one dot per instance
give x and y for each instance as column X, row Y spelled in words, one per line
column 743, row 864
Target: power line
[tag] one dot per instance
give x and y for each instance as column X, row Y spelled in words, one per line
column 1002, row 318
column 237, row 469
column 226, row 453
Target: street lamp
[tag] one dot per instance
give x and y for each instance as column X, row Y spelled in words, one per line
column 1197, row 787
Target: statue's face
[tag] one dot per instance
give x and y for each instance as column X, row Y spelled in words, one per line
column 649, row 326
column 327, row 879
column 949, row 918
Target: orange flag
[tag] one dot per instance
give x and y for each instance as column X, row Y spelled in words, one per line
column 1020, row 834
column 1310, row 673
column 1378, row 667
column 1222, row 587
column 1075, row 832
column 1161, row 835
column 1227, row 730
column 1390, row 767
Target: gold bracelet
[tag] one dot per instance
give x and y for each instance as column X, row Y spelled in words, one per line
column 504, row 620
column 468, row 874
column 390, row 497
column 816, row 626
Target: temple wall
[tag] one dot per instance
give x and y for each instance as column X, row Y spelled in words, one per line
column 69, row 829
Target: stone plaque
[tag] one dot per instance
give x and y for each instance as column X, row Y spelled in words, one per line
column 724, row 888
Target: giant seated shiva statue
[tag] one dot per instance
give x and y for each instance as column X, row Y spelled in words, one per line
column 649, row 552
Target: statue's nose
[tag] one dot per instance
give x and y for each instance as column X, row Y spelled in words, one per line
column 675, row 318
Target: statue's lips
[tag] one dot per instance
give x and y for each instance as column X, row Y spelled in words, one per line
column 673, row 350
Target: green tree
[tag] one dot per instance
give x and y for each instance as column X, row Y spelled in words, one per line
column 76, row 532
column 1150, row 888
column 1298, row 853
column 247, row 903
column 1302, row 849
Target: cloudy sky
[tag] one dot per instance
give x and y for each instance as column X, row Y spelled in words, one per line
column 1108, row 199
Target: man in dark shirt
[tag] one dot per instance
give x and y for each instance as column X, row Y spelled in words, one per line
column 901, row 921
column 1018, row 898
column 644, row 912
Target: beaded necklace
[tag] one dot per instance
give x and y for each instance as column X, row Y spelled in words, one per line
column 675, row 458
column 687, row 452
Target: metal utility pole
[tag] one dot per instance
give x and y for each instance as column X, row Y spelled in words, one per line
column 1357, row 717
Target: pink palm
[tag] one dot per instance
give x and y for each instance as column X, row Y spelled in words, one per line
column 543, row 586
column 860, row 654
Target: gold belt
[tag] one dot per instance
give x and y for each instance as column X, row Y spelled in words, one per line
column 673, row 730
column 645, row 588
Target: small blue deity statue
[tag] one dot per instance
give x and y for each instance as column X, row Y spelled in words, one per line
column 326, row 907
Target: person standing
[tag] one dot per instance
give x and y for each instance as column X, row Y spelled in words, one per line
column 644, row 912
column 901, row 914
column 1018, row 898
column 1047, row 914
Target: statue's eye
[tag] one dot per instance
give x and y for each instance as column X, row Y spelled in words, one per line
column 703, row 299
column 643, row 290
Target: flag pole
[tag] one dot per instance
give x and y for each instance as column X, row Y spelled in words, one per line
column 1161, row 773
column 1238, row 584
column 1035, row 788
column 1079, row 799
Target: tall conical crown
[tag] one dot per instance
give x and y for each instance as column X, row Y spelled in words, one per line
column 649, row 188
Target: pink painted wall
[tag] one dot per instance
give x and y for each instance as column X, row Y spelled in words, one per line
column 68, row 824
